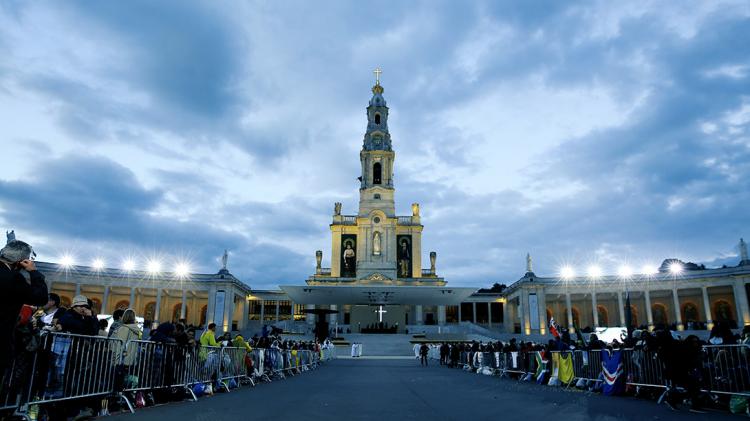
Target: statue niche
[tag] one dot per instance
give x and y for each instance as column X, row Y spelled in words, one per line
column 404, row 256
column 348, row 256
column 376, row 243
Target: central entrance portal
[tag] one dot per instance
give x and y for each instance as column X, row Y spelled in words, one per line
column 378, row 318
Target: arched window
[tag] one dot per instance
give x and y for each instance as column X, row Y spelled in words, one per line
column 690, row 312
column 122, row 305
column 377, row 118
column 722, row 311
column 659, row 314
column 149, row 311
column 376, row 173
column 204, row 309
column 176, row 312
column 376, row 196
column 603, row 315
column 576, row 317
column 97, row 305
column 633, row 315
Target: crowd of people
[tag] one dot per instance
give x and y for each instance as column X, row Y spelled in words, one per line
column 683, row 362
column 48, row 342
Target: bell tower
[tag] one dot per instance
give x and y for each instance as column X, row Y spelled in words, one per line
column 376, row 189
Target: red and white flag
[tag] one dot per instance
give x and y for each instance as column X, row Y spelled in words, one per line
column 553, row 328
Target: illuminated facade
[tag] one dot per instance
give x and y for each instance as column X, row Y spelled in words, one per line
column 157, row 297
column 688, row 298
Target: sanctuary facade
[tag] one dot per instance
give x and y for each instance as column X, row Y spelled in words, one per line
column 376, row 278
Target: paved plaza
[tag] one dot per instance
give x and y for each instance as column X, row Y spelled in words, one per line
column 397, row 389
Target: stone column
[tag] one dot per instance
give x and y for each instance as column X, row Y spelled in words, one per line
column 183, row 304
column 649, row 315
column 418, row 314
column 594, row 309
column 309, row 317
column 229, row 310
column 211, row 304
column 622, row 308
column 131, row 301
column 459, row 313
column 740, row 298
column 441, row 315
column 569, row 309
column 157, row 309
column 474, row 312
column 677, row 312
column 489, row 315
column 78, row 288
column 105, row 300
column 292, row 311
column 245, row 316
column 331, row 317
column 506, row 317
column 707, row 309
column 262, row 311
column 525, row 312
column 542, row 303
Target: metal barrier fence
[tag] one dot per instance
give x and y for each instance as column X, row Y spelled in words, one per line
column 724, row 369
column 67, row 367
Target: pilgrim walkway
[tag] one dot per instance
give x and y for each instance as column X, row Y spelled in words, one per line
column 397, row 389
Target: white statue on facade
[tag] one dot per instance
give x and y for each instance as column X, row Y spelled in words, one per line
column 224, row 259
column 415, row 209
column 433, row 257
column 743, row 252
column 10, row 236
column 528, row 263
column 337, row 208
column 376, row 243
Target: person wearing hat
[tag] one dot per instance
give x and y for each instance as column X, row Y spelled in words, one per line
column 80, row 319
column 16, row 291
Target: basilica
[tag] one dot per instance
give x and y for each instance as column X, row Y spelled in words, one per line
column 377, row 278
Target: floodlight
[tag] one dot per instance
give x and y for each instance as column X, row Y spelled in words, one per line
column 66, row 261
column 567, row 272
column 625, row 271
column 649, row 270
column 98, row 264
column 128, row 265
column 153, row 266
column 182, row 270
column 594, row 271
column 675, row 268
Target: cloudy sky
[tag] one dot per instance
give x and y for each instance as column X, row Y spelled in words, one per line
column 581, row 133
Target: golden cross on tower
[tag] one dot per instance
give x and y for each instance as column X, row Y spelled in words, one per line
column 377, row 72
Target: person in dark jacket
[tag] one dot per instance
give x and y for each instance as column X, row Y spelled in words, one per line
column 423, row 351
column 16, row 291
column 80, row 319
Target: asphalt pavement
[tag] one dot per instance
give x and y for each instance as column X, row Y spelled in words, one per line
column 398, row 389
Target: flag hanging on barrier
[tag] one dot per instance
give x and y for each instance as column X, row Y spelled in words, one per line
column 565, row 369
column 541, row 367
column 612, row 371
